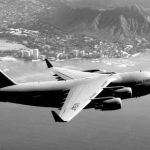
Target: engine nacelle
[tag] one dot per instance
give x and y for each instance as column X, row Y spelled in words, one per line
column 109, row 104
column 98, row 71
column 125, row 92
column 92, row 70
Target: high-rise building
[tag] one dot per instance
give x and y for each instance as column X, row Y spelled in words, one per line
column 35, row 53
column 25, row 54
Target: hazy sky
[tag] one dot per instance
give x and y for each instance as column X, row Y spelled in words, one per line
column 107, row 3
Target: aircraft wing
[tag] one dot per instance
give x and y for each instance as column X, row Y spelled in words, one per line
column 80, row 96
column 69, row 74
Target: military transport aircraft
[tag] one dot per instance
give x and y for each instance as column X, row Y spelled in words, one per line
column 76, row 90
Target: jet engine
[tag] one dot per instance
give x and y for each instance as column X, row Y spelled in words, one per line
column 125, row 92
column 92, row 70
column 109, row 104
column 98, row 71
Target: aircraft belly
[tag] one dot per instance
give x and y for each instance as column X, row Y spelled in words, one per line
column 141, row 89
column 43, row 99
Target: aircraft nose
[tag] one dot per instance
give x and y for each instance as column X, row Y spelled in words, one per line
column 148, row 75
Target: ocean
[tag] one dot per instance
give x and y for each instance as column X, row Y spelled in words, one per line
column 33, row 128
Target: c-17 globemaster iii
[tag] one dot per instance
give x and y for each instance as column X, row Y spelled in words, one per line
column 76, row 90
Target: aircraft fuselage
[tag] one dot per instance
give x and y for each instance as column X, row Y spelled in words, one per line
column 50, row 93
column 139, row 82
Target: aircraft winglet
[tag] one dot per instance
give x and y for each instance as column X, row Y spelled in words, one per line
column 49, row 65
column 57, row 117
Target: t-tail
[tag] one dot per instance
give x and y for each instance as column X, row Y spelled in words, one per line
column 5, row 80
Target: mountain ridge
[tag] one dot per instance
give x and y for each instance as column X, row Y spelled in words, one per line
column 45, row 15
column 124, row 21
column 54, row 27
column 133, row 19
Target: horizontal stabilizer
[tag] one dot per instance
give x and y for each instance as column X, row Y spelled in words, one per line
column 49, row 65
column 56, row 117
column 5, row 80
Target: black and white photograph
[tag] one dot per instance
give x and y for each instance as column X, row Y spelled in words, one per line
column 74, row 74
